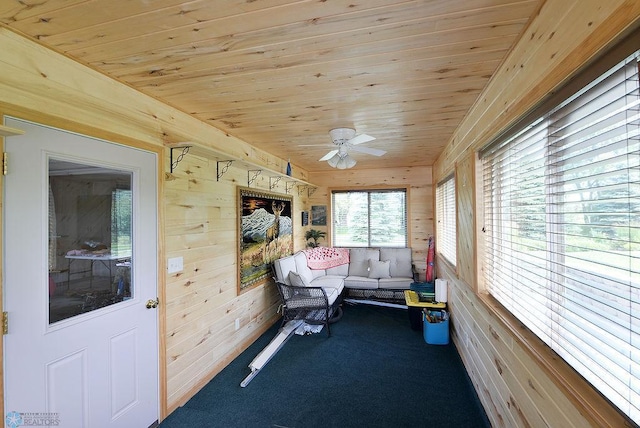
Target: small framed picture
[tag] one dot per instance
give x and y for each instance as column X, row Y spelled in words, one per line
column 319, row 215
column 305, row 218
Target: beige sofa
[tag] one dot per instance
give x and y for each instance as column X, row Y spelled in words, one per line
column 372, row 273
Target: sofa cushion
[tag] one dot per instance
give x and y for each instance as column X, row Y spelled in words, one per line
column 329, row 281
column 332, row 295
column 282, row 267
column 297, row 280
column 341, row 270
column 361, row 282
column 378, row 269
column 400, row 261
column 301, row 266
column 395, row 283
column 315, row 273
column 359, row 260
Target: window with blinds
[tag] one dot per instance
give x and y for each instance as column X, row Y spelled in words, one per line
column 562, row 230
column 446, row 219
column 369, row 218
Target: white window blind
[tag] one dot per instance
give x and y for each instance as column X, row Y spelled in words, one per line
column 562, row 228
column 446, row 219
column 369, row 218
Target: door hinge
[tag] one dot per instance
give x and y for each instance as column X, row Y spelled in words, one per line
column 5, row 323
column 4, row 163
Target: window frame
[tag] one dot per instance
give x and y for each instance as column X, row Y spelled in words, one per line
column 369, row 191
column 558, row 369
column 446, row 220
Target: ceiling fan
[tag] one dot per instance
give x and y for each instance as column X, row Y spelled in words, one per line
column 344, row 141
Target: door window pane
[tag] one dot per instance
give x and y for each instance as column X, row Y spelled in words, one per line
column 90, row 238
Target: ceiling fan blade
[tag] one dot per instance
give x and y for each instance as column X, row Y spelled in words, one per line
column 368, row 150
column 359, row 139
column 329, row 155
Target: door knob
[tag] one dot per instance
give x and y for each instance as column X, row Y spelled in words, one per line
column 152, row 304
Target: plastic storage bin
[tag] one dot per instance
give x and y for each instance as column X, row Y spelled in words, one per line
column 415, row 318
column 436, row 333
column 423, row 287
column 415, row 307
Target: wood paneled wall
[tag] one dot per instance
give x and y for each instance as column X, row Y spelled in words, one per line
column 465, row 221
column 519, row 381
column 417, row 180
column 199, row 306
column 202, row 301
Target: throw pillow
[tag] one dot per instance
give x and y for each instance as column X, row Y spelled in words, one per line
column 296, row 280
column 359, row 260
column 379, row 269
column 358, row 268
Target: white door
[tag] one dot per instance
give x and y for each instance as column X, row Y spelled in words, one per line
column 80, row 264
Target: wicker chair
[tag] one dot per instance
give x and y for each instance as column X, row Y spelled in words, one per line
column 309, row 304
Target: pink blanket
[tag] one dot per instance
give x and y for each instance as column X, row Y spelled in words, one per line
column 326, row 257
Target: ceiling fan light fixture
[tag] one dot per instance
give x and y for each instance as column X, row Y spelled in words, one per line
column 346, row 162
column 341, row 161
column 333, row 162
column 345, row 139
column 341, row 135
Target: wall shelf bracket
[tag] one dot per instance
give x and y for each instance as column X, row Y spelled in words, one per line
column 178, row 159
column 273, row 181
column 222, row 171
column 224, row 162
column 288, row 186
column 311, row 190
column 302, row 188
column 252, row 174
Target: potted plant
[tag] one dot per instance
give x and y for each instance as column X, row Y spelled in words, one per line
column 315, row 235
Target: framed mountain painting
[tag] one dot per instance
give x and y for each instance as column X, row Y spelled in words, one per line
column 265, row 234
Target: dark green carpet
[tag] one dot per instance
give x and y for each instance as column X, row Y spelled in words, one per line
column 374, row 371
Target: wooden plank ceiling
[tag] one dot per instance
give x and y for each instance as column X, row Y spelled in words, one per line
column 279, row 74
